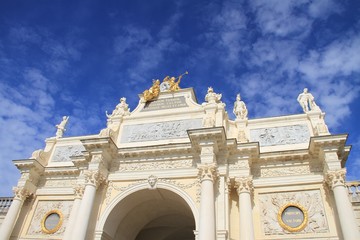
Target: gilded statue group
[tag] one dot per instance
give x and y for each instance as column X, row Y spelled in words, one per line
column 168, row 84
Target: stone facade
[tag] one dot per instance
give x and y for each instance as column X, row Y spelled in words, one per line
column 176, row 169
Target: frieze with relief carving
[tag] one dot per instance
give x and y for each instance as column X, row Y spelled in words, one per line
column 44, row 207
column 159, row 130
column 158, row 165
column 64, row 153
column 280, row 135
column 311, row 201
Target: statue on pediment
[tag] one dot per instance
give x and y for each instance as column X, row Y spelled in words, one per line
column 122, row 109
column 212, row 97
column 307, row 101
column 152, row 92
column 61, row 127
column 168, row 84
column 240, row 109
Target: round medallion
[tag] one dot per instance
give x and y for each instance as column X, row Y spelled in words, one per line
column 51, row 221
column 293, row 217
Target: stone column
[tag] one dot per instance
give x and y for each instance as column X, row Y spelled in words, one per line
column 349, row 228
column 79, row 191
column 10, row 220
column 244, row 188
column 207, row 175
column 92, row 181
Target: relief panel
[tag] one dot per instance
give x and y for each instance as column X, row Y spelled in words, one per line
column 311, row 201
column 44, row 207
column 159, row 130
column 64, row 153
column 280, row 135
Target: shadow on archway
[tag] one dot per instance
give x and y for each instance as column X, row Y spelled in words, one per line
column 157, row 214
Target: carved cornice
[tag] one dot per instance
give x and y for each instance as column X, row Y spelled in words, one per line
column 211, row 136
column 336, row 178
column 208, row 172
column 244, row 184
column 21, row 193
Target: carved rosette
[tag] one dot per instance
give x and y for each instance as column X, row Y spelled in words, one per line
column 79, row 191
column 244, row 184
column 336, row 178
column 21, row 193
column 208, row 172
column 94, row 178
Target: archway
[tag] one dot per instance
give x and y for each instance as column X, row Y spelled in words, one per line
column 150, row 214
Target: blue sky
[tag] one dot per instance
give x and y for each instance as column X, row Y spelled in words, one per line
column 78, row 58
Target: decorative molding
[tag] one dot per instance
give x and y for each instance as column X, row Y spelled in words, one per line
column 42, row 210
column 158, row 130
column 268, row 171
column 158, row 165
column 64, row 153
column 311, row 201
column 280, row 135
column 244, row 184
column 112, row 186
column 336, row 178
column 208, row 172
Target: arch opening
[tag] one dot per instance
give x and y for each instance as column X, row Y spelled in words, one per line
column 151, row 214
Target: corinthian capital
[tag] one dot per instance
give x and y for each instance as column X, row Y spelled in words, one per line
column 21, row 193
column 94, row 178
column 336, row 178
column 244, row 184
column 208, row 172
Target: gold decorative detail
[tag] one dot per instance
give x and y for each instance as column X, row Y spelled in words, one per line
column 153, row 91
column 58, row 225
column 170, row 84
column 299, row 227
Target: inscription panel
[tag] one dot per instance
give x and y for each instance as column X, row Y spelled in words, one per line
column 159, row 130
column 281, row 135
column 166, row 103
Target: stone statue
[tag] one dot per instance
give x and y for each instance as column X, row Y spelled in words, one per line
column 240, row 109
column 122, row 109
column 152, row 92
column 307, row 101
column 61, row 127
column 212, row 97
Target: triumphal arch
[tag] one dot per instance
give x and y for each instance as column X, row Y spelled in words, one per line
column 176, row 169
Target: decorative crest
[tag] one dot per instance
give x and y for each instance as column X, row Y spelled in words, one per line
column 168, row 84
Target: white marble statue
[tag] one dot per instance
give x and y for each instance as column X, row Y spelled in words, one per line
column 61, row 127
column 307, row 101
column 212, row 97
column 240, row 109
column 122, row 109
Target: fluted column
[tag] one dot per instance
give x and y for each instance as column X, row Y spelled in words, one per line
column 92, row 181
column 79, row 191
column 10, row 220
column 207, row 175
column 336, row 180
column 244, row 189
